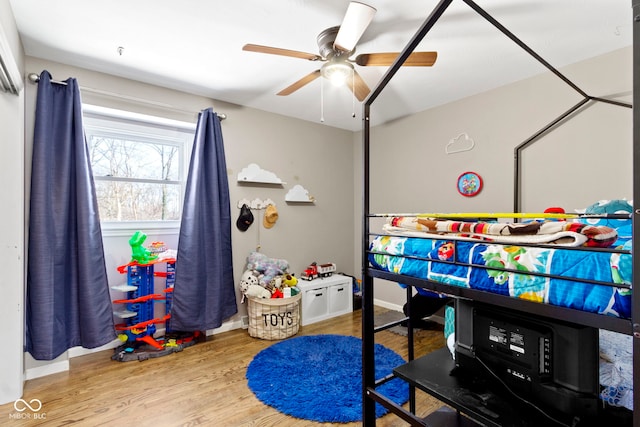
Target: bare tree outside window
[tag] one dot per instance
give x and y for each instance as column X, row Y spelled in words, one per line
column 137, row 169
column 135, row 181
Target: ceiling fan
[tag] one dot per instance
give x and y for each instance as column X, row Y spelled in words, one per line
column 336, row 45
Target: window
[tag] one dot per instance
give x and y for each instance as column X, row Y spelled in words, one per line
column 139, row 166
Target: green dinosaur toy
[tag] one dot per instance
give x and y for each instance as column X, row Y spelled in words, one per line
column 138, row 252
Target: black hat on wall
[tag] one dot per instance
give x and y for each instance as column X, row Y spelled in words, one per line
column 245, row 219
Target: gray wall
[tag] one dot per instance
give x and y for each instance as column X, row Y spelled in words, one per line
column 315, row 156
column 586, row 159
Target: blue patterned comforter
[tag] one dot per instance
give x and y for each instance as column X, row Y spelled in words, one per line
column 389, row 253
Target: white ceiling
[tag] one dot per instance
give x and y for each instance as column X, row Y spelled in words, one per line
column 196, row 46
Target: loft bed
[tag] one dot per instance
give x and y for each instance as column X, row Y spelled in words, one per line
column 384, row 257
column 564, row 282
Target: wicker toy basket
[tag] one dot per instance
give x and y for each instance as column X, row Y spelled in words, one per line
column 275, row 318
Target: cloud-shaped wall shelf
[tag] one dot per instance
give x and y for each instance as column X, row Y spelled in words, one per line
column 254, row 173
column 460, row 143
column 298, row 194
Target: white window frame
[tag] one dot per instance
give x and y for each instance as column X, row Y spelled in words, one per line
column 124, row 124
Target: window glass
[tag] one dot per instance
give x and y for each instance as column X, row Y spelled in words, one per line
column 138, row 201
column 139, row 165
column 132, row 158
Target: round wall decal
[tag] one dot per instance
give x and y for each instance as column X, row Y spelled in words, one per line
column 469, row 184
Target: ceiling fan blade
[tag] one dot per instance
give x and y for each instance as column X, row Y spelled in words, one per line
column 416, row 59
column 355, row 22
column 297, row 85
column 360, row 88
column 284, row 52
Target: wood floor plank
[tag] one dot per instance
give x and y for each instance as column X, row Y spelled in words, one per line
column 204, row 385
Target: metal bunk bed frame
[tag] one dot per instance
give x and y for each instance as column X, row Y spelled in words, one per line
column 369, row 383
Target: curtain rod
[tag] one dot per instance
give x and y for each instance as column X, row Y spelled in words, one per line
column 35, row 78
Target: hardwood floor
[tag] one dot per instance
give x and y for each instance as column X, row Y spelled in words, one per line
column 203, row 385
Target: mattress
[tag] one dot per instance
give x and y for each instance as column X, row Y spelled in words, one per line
column 589, row 280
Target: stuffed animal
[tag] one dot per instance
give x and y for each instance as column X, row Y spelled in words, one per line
column 250, row 277
column 255, row 291
column 249, row 286
column 616, row 206
column 268, row 267
column 555, row 210
column 275, row 283
column 289, row 280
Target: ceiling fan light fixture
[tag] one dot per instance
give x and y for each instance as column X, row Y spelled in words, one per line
column 337, row 72
column 335, row 46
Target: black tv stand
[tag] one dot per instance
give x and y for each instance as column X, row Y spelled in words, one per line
column 436, row 374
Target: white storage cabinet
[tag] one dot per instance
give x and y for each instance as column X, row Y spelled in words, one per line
column 325, row 297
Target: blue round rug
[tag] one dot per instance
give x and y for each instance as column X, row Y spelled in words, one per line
column 319, row 377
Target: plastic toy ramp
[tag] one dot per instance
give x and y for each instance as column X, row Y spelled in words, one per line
column 143, row 298
column 144, row 349
column 122, row 269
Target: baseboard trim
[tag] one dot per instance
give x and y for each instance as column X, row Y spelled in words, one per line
column 48, row 369
column 387, row 305
column 396, row 307
column 63, row 365
column 225, row 327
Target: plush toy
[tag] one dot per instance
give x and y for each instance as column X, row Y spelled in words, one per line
column 616, row 206
column 275, row 283
column 249, row 286
column 554, row 210
column 267, row 267
column 250, row 277
column 255, row 291
column 289, row 280
column 277, row 293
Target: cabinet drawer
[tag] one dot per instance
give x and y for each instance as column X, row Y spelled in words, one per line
column 314, row 304
column 340, row 298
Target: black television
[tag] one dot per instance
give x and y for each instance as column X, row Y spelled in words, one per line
column 552, row 364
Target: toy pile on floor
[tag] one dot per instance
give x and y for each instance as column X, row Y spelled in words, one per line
column 137, row 308
column 266, row 277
